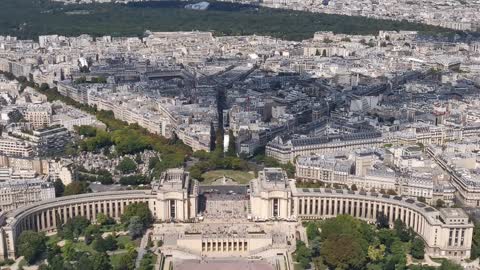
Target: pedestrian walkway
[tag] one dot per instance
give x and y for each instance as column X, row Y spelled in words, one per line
column 142, row 248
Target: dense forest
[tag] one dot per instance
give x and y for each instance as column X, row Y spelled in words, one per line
column 30, row 18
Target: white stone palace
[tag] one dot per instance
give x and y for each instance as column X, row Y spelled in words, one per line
column 272, row 198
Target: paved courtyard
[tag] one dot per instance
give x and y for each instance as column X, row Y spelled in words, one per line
column 223, row 265
column 223, row 202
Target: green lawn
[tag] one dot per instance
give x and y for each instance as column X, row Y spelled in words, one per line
column 297, row 266
column 81, row 246
column 115, row 260
column 438, row 260
column 125, row 239
column 53, row 239
column 113, row 227
column 240, row 177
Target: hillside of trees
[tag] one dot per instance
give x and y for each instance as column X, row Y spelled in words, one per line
column 30, row 18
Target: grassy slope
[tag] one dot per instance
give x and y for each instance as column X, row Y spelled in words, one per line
column 239, row 176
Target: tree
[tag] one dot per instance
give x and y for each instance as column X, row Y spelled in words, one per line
column 401, row 230
column 196, row 173
column 147, row 262
column 98, row 244
column 343, row 252
column 153, row 161
column 440, row 203
column 31, row 245
column 44, row 86
column 421, row 267
column 91, row 232
column 127, row 262
column 386, row 237
column 398, row 248
column 84, row 262
column 398, row 259
column 101, row 261
column 59, row 187
column 289, row 169
column 74, row 227
column 102, row 245
column 312, row 231
column 87, row 131
column 303, row 255
column 127, row 165
column 104, row 177
column 315, row 246
column 345, row 242
column 103, row 219
column 346, row 224
column 376, row 253
column 354, row 187
column 134, row 180
column 381, row 221
column 421, row 199
column 391, row 192
column 54, row 258
column 140, row 210
column 135, row 227
column 372, row 266
column 138, row 158
column 76, row 188
column 418, row 248
column 106, row 151
column 68, row 251
column 475, row 253
column 231, row 150
column 449, row 265
column 149, row 242
column 110, row 243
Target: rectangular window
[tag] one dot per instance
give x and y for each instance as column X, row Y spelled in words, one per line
column 450, row 237
column 275, row 207
column 172, row 209
column 456, row 237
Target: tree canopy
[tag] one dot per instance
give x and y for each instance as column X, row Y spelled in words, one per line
column 74, row 228
column 76, row 187
column 127, row 165
column 31, row 245
column 222, row 18
column 344, row 242
column 140, row 210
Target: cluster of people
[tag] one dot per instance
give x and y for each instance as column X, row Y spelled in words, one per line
column 224, row 229
column 225, row 206
column 226, row 209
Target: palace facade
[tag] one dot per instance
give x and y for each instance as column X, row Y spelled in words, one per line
column 272, row 196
